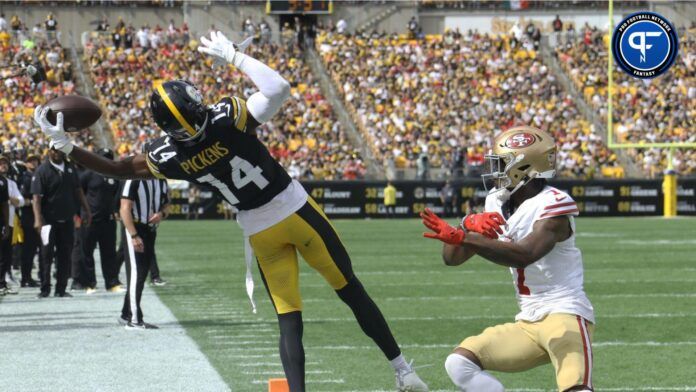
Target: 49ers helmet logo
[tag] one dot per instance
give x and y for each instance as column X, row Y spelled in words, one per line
column 520, row 140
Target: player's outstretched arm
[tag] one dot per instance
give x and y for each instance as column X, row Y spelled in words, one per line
column 131, row 167
column 545, row 234
column 273, row 88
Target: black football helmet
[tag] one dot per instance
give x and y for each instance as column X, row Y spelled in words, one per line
column 177, row 107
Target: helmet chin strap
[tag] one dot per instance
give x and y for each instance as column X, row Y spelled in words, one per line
column 199, row 133
column 520, row 184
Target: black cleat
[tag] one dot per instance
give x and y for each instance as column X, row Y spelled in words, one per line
column 42, row 295
column 63, row 295
column 158, row 282
column 122, row 321
column 30, row 283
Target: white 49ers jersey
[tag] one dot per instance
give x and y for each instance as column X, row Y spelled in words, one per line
column 554, row 283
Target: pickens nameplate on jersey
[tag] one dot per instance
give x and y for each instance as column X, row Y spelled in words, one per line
column 229, row 160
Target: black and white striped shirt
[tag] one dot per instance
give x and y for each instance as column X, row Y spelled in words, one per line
column 148, row 196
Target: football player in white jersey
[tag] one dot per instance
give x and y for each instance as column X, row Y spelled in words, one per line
column 527, row 226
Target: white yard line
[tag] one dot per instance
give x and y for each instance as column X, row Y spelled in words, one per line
column 76, row 344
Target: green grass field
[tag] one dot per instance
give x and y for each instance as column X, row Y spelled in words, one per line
column 639, row 274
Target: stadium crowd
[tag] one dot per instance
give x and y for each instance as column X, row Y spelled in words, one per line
column 419, row 100
column 19, row 95
column 306, row 138
column 660, row 110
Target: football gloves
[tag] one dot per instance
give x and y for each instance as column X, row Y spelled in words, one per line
column 441, row 230
column 59, row 140
column 223, row 50
column 486, row 223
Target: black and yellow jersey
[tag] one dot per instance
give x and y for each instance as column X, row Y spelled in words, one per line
column 227, row 158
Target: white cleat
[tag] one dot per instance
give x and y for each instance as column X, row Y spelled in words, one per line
column 408, row 381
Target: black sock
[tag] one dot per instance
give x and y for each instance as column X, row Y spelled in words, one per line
column 369, row 317
column 291, row 351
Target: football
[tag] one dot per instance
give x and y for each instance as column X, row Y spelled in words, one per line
column 78, row 112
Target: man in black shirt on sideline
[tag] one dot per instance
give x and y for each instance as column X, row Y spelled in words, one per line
column 32, row 242
column 4, row 229
column 57, row 198
column 102, row 197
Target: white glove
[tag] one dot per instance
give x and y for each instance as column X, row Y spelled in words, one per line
column 223, row 50
column 59, row 139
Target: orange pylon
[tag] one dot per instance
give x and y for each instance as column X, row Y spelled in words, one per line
column 278, row 385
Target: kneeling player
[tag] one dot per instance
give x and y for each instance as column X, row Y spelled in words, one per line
column 537, row 242
column 216, row 146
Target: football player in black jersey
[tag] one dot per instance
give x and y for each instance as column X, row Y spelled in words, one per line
column 217, row 146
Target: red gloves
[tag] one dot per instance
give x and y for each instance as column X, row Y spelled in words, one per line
column 486, row 223
column 441, row 230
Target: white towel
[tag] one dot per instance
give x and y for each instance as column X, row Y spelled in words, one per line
column 249, row 256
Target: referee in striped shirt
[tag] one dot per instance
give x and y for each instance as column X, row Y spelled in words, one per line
column 143, row 205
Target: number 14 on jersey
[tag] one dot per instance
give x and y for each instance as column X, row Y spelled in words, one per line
column 243, row 173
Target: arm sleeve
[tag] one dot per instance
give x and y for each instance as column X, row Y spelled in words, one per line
column 273, row 89
column 37, row 184
column 130, row 189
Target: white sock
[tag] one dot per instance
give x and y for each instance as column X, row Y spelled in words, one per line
column 399, row 363
column 469, row 377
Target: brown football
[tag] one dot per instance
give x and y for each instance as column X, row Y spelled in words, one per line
column 78, row 112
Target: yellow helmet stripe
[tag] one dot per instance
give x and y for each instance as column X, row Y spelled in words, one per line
column 175, row 111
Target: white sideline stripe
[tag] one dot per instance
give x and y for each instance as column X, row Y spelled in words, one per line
column 260, row 364
column 274, row 364
column 310, row 381
column 656, row 242
column 230, row 337
column 248, row 342
column 255, row 356
column 76, row 337
column 254, row 372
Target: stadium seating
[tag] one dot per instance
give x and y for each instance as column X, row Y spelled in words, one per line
column 429, row 97
column 19, row 95
column 644, row 111
column 305, row 136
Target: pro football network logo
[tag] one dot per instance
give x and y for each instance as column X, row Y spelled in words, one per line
column 645, row 45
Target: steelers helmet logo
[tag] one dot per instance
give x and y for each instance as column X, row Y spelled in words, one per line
column 194, row 94
column 645, row 45
column 520, row 140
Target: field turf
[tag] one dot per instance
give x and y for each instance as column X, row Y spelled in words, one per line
column 639, row 274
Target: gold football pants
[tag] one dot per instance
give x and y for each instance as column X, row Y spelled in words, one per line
column 309, row 232
column 563, row 339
